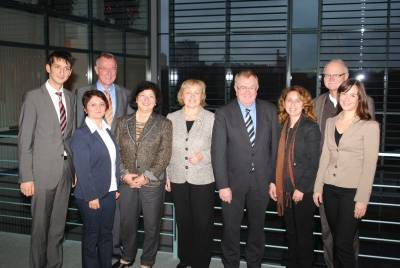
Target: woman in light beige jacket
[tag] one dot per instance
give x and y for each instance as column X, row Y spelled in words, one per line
column 347, row 169
column 190, row 176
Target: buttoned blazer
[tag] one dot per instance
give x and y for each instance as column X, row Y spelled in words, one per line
column 231, row 152
column 92, row 163
column 319, row 105
column 306, row 154
column 150, row 154
column 352, row 163
column 41, row 145
column 186, row 144
column 122, row 108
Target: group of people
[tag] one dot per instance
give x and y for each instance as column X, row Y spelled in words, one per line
column 121, row 156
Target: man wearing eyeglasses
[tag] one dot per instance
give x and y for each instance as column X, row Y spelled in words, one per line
column 326, row 106
column 118, row 98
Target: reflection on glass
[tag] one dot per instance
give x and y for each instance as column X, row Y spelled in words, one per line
column 64, row 33
column 127, row 13
column 18, row 26
column 21, row 69
column 136, row 44
column 106, row 39
column 304, row 52
column 79, row 76
column 305, row 14
column 135, row 72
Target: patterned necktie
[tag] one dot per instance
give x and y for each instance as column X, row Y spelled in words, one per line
column 109, row 113
column 63, row 115
column 250, row 127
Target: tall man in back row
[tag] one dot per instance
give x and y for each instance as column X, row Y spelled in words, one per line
column 118, row 98
column 243, row 152
column 46, row 124
column 326, row 106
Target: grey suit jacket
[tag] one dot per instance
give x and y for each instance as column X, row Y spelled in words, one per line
column 185, row 144
column 122, row 96
column 352, row 163
column 40, row 142
column 231, row 152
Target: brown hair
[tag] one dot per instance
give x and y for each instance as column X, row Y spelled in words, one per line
column 190, row 83
column 88, row 95
column 305, row 97
column 362, row 107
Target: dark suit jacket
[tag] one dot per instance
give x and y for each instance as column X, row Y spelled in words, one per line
column 122, row 96
column 306, row 154
column 231, row 153
column 40, row 142
column 92, row 164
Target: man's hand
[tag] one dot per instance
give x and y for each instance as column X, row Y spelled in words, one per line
column 272, row 191
column 94, row 204
column 226, row 195
column 27, row 188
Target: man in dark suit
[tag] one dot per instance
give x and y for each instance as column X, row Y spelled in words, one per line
column 118, row 98
column 45, row 168
column 244, row 145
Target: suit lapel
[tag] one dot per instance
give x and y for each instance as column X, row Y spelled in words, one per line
column 261, row 125
column 147, row 127
column 238, row 117
column 70, row 112
column 51, row 108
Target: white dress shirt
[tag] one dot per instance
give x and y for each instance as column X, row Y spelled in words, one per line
column 52, row 92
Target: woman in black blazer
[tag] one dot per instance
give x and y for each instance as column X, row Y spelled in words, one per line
column 296, row 169
column 96, row 160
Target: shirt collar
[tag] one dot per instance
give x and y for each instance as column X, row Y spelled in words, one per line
column 93, row 127
column 100, row 87
column 243, row 108
column 51, row 89
column 333, row 100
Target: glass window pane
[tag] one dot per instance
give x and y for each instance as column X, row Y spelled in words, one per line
column 106, row 39
column 304, row 52
column 17, row 26
column 136, row 44
column 21, row 69
column 64, row 33
column 128, row 13
column 79, row 77
column 305, row 14
column 136, row 70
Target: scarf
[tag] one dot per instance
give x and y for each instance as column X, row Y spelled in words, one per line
column 280, row 164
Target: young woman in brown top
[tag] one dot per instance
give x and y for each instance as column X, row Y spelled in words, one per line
column 347, row 168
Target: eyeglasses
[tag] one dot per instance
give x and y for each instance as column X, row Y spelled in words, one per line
column 335, row 76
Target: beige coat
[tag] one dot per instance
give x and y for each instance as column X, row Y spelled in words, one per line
column 352, row 164
column 185, row 144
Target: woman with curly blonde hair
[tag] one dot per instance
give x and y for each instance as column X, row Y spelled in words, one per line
column 296, row 169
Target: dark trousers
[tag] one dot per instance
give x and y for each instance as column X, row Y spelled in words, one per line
column 97, row 232
column 339, row 208
column 299, row 221
column 149, row 200
column 49, row 211
column 255, row 201
column 328, row 240
column 116, row 231
column 194, row 206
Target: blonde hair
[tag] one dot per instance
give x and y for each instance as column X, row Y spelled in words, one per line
column 191, row 83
